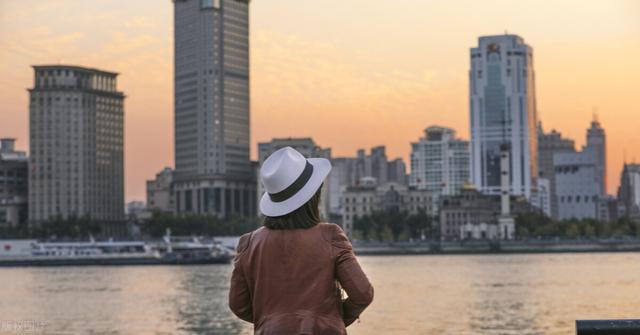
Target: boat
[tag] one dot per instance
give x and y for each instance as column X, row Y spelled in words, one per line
column 192, row 250
column 170, row 251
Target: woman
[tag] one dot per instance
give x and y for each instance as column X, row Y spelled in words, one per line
column 287, row 274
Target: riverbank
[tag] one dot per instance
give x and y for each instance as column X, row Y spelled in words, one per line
column 496, row 247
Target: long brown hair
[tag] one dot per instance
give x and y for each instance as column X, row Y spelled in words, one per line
column 306, row 216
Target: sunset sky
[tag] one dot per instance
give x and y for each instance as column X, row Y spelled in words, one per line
column 349, row 73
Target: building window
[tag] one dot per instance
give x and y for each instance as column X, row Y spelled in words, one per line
column 209, row 4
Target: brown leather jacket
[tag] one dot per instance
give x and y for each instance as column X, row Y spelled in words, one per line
column 285, row 281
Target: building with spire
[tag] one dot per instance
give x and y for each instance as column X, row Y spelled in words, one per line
column 580, row 177
column 503, row 111
column 597, row 140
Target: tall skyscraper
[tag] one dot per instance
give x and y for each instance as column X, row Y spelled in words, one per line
column 629, row 190
column 76, row 120
column 597, row 140
column 439, row 161
column 548, row 145
column 213, row 172
column 503, row 111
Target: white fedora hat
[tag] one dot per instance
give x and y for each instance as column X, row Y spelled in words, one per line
column 290, row 180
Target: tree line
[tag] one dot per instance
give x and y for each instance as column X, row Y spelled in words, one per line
column 379, row 226
column 193, row 224
column 397, row 226
column 55, row 228
column 81, row 228
column 394, row 226
column 535, row 225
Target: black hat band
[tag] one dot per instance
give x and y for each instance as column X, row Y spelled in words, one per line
column 296, row 186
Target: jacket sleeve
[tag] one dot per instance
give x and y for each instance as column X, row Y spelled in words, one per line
column 240, row 301
column 351, row 277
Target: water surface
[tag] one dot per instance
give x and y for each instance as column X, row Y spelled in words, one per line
column 484, row 294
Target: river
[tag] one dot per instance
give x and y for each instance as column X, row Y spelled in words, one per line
column 457, row 294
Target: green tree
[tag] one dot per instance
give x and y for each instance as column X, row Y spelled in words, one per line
column 364, row 226
column 420, row 223
column 573, row 230
column 192, row 224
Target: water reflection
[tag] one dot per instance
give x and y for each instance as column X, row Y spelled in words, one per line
column 202, row 304
column 500, row 303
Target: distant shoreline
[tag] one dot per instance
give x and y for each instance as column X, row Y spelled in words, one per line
column 495, row 247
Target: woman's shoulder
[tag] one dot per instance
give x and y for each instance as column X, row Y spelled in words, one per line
column 331, row 231
column 245, row 239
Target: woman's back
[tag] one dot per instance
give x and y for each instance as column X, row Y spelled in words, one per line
column 284, row 281
column 286, row 274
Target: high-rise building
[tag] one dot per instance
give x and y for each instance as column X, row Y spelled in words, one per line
column 439, row 161
column 597, row 140
column 548, row 145
column 503, row 111
column 76, row 120
column 160, row 195
column 629, row 190
column 375, row 165
column 580, row 177
column 577, row 190
column 309, row 149
column 343, row 173
column 213, row 172
column 13, row 184
column 397, row 171
column 349, row 171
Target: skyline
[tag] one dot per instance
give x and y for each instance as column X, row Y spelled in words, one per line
column 299, row 62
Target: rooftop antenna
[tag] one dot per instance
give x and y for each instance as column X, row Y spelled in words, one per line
column 594, row 111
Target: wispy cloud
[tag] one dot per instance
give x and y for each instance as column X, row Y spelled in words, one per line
column 305, row 88
column 141, row 22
